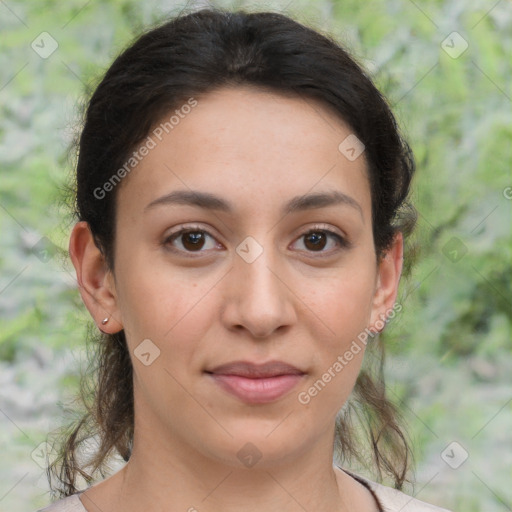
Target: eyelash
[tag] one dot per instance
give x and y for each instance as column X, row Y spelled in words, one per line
column 342, row 242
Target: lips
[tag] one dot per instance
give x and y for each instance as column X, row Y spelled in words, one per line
column 256, row 383
column 255, row 371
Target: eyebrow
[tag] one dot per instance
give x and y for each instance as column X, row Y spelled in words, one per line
column 210, row 201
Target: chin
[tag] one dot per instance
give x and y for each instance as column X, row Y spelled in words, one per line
column 261, row 444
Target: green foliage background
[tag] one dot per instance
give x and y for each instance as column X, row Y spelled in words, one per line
column 449, row 363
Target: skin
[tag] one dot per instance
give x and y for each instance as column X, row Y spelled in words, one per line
column 256, row 149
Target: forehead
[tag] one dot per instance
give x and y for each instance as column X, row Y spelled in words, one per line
column 254, row 146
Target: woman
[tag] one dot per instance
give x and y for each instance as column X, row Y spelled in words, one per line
column 242, row 204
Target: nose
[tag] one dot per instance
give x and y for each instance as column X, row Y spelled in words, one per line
column 259, row 297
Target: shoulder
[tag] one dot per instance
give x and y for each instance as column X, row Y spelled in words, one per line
column 390, row 499
column 393, row 500
column 70, row 504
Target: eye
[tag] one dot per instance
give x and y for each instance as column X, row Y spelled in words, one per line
column 317, row 239
column 195, row 239
column 191, row 239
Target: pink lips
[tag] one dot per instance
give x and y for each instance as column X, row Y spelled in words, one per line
column 257, row 384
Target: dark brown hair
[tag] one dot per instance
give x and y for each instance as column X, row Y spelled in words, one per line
column 189, row 56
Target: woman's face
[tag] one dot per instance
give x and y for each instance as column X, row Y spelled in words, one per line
column 247, row 284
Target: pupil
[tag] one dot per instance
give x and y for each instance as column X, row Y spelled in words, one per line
column 194, row 239
column 316, row 239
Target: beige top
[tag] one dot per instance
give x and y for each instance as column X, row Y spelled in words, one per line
column 390, row 500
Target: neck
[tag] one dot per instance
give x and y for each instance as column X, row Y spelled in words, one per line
column 186, row 481
column 166, row 473
column 196, row 483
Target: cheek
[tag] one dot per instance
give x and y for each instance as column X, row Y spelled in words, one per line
column 344, row 303
column 343, row 309
column 151, row 297
column 174, row 315
column 172, row 310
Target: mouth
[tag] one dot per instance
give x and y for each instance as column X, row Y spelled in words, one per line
column 256, row 383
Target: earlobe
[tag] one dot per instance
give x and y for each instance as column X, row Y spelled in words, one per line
column 388, row 279
column 94, row 279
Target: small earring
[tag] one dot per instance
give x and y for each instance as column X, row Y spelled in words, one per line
column 104, row 321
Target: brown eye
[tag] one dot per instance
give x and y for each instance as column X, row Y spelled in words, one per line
column 193, row 240
column 190, row 240
column 317, row 240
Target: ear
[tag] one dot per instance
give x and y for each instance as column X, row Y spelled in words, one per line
column 95, row 281
column 388, row 279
